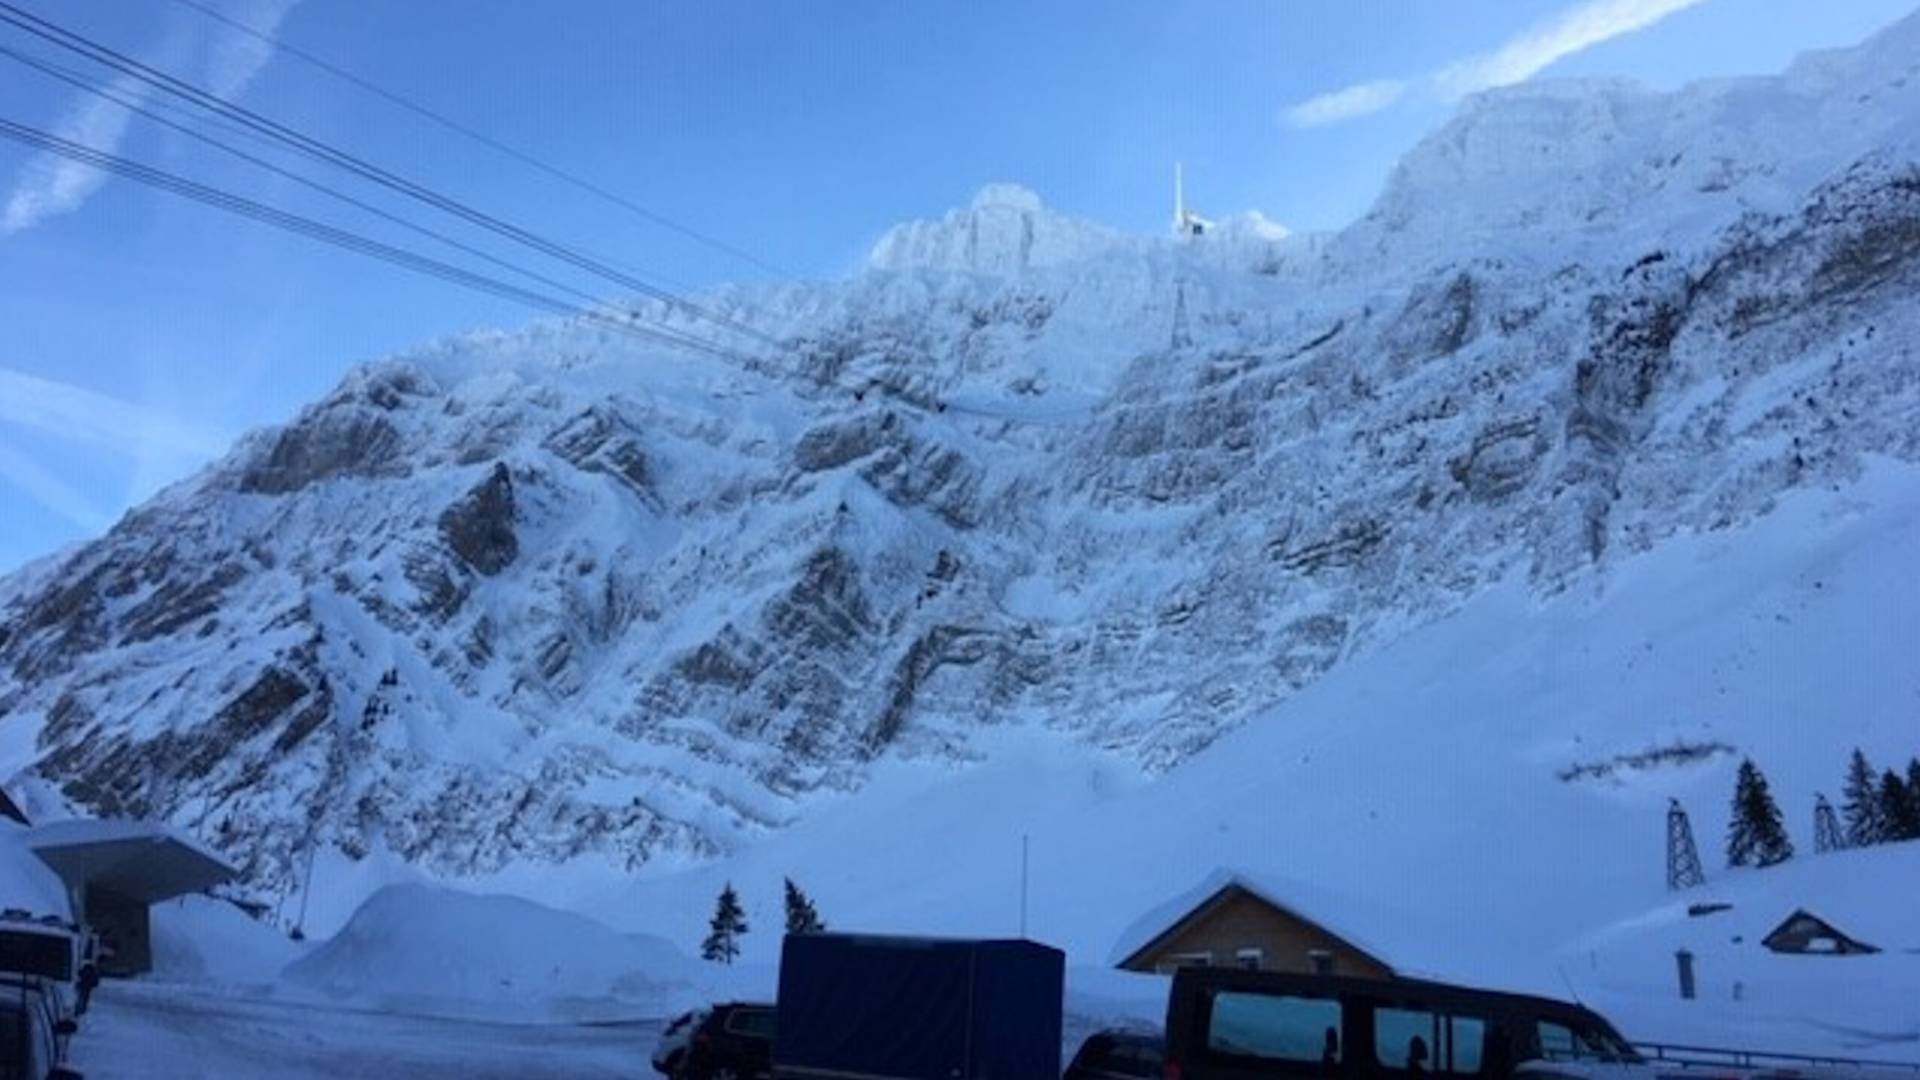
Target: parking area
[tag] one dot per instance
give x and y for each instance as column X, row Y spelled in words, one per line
column 168, row 1031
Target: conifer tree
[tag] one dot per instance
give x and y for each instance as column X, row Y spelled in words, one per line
column 801, row 918
column 1860, row 813
column 1899, row 822
column 1757, row 836
column 1913, row 789
column 729, row 921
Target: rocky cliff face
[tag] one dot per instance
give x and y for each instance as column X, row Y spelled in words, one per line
column 560, row 592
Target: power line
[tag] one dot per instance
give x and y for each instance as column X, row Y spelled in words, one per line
column 554, row 171
column 160, row 80
column 74, row 76
column 82, row 83
column 342, row 238
column 195, row 124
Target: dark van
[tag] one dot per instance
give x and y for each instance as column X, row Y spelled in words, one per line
column 1230, row 1024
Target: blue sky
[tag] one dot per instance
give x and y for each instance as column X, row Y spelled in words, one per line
column 143, row 334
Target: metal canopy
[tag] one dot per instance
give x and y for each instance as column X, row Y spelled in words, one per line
column 142, row 861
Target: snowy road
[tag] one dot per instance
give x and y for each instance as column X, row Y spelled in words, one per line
column 168, row 1032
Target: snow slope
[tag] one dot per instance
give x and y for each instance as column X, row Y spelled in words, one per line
column 1424, row 777
column 1414, row 799
column 1750, row 996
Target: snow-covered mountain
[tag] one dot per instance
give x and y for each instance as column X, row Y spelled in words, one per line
column 567, row 592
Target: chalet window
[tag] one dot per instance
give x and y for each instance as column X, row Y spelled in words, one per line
column 1175, row 961
column 1322, row 961
column 1251, row 958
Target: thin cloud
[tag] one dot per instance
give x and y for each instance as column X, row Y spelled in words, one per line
column 1517, row 60
column 50, row 491
column 75, row 412
column 50, row 185
column 1357, row 100
column 233, row 59
column 1570, row 32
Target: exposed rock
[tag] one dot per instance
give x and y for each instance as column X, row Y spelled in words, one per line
column 479, row 528
column 332, row 441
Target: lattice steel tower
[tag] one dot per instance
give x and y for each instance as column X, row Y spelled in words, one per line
column 1683, row 859
column 1826, row 826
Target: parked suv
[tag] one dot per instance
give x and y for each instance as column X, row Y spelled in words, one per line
column 674, row 1040
column 1118, row 1055
column 1229, row 1024
column 33, row 1033
column 733, row 1042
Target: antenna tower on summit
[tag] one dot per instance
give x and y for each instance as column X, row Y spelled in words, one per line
column 1186, row 223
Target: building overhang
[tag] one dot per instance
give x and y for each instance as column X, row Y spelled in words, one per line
column 141, row 861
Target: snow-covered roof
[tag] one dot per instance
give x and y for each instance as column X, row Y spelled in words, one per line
column 1870, row 921
column 1442, row 943
column 1359, row 923
column 142, row 860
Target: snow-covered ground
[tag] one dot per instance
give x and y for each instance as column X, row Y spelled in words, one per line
column 166, row 1031
column 1748, row 996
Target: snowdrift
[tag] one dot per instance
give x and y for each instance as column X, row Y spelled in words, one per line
column 435, row 951
column 199, row 939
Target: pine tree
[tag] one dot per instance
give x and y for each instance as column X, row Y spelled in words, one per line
column 1757, row 836
column 1913, row 790
column 1897, row 809
column 1861, row 811
column 723, row 931
column 801, row 918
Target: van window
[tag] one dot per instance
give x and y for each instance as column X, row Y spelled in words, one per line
column 1275, row 1026
column 1451, row 1044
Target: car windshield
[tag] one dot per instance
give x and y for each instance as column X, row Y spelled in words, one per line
column 29, row 953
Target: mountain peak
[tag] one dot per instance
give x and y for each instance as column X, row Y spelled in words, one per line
column 1555, row 161
column 1005, row 230
column 1009, row 196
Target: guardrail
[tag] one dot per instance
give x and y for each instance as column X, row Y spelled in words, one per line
column 1674, row 1054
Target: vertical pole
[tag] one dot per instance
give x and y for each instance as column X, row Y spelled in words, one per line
column 1023, row 886
column 306, row 890
column 1179, row 203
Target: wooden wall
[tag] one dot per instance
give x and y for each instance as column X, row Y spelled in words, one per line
column 1240, row 920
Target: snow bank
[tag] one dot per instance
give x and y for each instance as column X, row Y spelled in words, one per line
column 198, row 939
column 435, row 951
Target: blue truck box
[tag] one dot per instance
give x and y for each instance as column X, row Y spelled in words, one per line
column 900, row 1008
